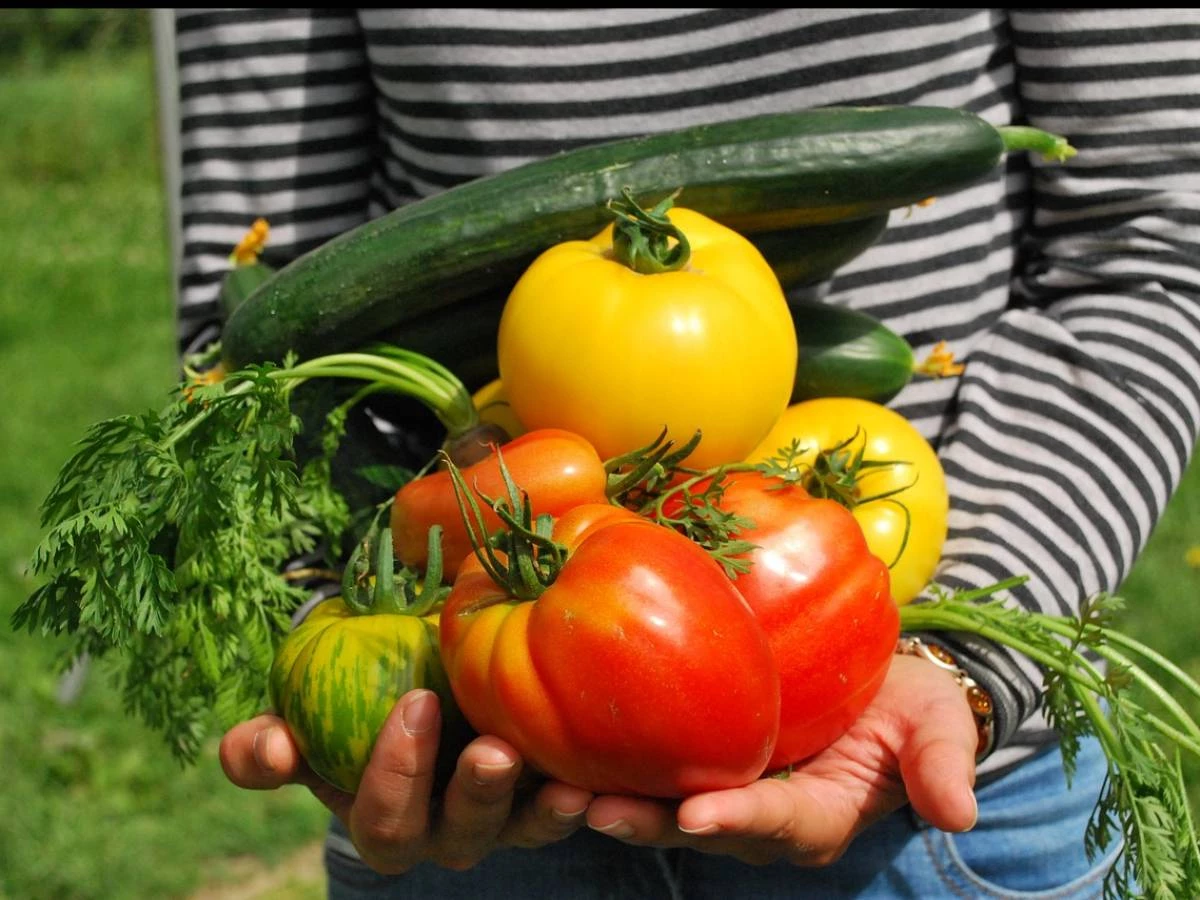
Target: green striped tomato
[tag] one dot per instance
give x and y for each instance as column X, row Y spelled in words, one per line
column 337, row 675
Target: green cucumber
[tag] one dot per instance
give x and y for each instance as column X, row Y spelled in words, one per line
column 766, row 173
column 461, row 336
column 845, row 353
column 240, row 282
column 812, row 253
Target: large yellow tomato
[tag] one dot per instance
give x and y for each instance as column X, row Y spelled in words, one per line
column 906, row 527
column 590, row 345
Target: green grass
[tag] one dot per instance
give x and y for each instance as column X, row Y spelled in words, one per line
column 1163, row 597
column 93, row 806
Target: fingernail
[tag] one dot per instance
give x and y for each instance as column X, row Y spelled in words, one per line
column 710, row 828
column 974, row 812
column 419, row 713
column 490, row 773
column 617, row 829
column 262, row 748
column 568, row 816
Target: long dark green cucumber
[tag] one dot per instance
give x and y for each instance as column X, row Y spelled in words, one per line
column 845, row 353
column 758, row 174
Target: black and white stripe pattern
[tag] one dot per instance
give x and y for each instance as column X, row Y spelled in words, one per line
column 1071, row 290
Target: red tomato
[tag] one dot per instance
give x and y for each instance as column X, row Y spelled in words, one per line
column 640, row 670
column 556, row 468
column 824, row 601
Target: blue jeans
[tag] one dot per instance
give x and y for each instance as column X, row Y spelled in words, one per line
column 1028, row 844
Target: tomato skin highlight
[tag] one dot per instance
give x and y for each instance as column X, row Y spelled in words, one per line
column 588, row 344
column 921, row 503
column 641, row 670
column 558, row 469
column 822, row 599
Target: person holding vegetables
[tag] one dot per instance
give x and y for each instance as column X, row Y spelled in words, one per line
column 1072, row 292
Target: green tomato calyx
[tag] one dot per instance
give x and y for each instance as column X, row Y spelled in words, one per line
column 647, row 241
column 521, row 557
column 372, row 586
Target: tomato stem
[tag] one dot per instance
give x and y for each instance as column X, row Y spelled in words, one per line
column 643, row 471
column 837, row 473
column 532, row 559
column 372, row 586
column 647, row 241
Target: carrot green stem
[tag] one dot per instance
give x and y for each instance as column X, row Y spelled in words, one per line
column 401, row 371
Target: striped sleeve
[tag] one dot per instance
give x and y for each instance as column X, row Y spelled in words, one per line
column 277, row 121
column 1080, row 405
column 1071, row 290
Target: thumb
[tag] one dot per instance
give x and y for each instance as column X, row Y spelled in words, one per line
column 260, row 754
column 937, row 758
column 939, row 777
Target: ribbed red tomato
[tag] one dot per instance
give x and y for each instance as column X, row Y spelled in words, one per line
column 639, row 670
column 824, row 602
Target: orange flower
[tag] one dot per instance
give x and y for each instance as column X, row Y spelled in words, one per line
column 251, row 244
column 940, row 363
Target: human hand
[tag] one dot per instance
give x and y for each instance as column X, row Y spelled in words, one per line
column 916, row 742
column 394, row 820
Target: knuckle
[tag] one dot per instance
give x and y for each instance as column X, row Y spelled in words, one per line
column 408, row 766
column 484, row 797
column 379, row 838
column 814, row 856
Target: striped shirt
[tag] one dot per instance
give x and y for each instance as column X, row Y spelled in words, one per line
column 1072, row 291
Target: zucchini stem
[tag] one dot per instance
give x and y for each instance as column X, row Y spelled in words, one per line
column 1051, row 147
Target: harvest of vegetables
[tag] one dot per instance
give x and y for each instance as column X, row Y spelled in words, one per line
column 721, row 565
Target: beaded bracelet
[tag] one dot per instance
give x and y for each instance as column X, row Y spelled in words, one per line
column 978, row 699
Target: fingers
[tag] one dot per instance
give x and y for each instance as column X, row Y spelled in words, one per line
column 393, row 819
column 389, row 821
column 477, row 802
column 807, row 820
column 638, row 821
column 756, row 824
column 765, row 808
column 394, row 822
column 260, row 754
column 938, row 767
column 553, row 813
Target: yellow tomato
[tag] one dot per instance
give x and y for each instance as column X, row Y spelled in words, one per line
column 491, row 401
column 590, row 345
column 916, row 500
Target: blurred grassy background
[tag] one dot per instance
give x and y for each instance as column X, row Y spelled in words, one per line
column 93, row 805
